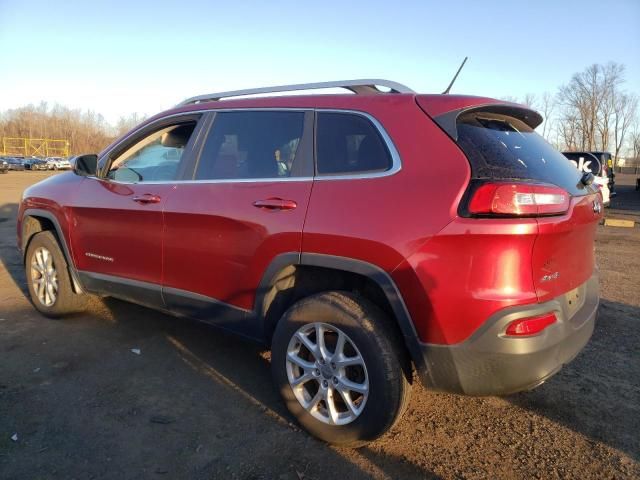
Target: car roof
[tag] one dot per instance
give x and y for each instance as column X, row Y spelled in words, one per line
column 437, row 104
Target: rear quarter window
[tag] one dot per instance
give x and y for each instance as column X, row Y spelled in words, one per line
column 505, row 148
column 348, row 143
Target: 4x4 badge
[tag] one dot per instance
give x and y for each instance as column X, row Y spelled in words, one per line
column 597, row 207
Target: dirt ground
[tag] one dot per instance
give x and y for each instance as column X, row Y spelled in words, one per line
column 196, row 403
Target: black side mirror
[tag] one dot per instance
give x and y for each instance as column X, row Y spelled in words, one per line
column 85, row 165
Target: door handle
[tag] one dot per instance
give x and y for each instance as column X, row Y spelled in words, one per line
column 275, row 204
column 146, row 198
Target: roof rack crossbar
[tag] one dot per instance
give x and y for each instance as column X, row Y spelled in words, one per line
column 362, row 86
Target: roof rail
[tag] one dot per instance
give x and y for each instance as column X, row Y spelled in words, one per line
column 363, row 86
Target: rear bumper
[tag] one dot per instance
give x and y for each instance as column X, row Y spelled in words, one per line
column 489, row 363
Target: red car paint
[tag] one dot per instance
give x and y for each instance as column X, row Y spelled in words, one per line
column 214, row 230
column 453, row 272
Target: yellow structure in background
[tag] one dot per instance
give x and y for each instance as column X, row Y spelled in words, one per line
column 35, row 147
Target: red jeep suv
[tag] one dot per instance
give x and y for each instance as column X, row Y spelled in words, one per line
column 358, row 236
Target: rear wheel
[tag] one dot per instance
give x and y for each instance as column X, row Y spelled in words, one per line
column 338, row 364
column 48, row 278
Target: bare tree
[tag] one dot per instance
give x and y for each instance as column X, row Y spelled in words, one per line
column 85, row 131
column 594, row 111
column 625, row 109
column 547, row 106
column 127, row 123
column 530, row 100
column 635, row 141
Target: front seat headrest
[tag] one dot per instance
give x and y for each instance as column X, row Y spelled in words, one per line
column 177, row 137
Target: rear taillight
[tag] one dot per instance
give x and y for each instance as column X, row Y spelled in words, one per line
column 530, row 326
column 518, row 199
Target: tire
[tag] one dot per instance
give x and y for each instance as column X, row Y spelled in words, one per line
column 375, row 341
column 64, row 300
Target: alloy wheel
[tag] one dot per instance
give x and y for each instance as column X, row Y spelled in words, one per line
column 327, row 373
column 44, row 277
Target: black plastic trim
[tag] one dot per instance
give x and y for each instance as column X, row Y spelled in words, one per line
column 135, row 291
column 389, row 288
column 212, row 311
column 175, row 302
column 360, row 267
column 449, row 121
column 490, row 363
column 36, row 212
column 279, row 263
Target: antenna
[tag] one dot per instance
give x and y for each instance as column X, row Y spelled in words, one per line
column 455, row 76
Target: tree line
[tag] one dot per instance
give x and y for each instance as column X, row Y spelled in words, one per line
column 86, row 131
column 593, row 111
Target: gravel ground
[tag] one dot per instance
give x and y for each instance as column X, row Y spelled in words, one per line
column 196, row 403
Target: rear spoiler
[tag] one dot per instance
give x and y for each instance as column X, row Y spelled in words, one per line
column 448, row 120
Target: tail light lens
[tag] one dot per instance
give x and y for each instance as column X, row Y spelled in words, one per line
column 530, row 326
column 519, row 199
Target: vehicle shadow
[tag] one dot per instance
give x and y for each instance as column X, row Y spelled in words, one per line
column 627, row 199
column 9, row 254
column 598, row 394
column 595, row 395
column 242, row 367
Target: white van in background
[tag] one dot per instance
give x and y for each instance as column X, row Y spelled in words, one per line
column 593, row 162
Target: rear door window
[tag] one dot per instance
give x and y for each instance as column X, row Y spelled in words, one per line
column 252, row 145
column 504, row 148
column 348, row 143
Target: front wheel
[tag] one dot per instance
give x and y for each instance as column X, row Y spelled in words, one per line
column 48, row 278
column 340, row 366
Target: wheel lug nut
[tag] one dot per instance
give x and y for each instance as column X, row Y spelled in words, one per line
column 325, row 383
column 316, row 372
column 333, row 365
column 335, row 380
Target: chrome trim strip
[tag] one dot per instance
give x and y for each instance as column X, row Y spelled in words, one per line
column 223, row 180
column 360, row 86
column 396, row 164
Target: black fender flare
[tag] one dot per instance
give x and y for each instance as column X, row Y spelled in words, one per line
column 37, row 212
column 360, row 267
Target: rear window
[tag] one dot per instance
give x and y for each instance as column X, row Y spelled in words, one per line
column 502, row 147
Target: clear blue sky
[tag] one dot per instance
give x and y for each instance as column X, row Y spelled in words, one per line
column 119, row 57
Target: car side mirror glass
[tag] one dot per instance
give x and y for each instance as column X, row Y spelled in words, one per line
column 85, row 165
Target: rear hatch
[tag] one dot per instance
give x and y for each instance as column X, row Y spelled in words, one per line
column 516, row 173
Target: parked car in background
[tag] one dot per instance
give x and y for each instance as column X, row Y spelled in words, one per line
column 61, row 164
column 595, row 163
column 35, row 163
column 51, row 162
column 15, row 163
column 313, row 224
column 4, row 166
